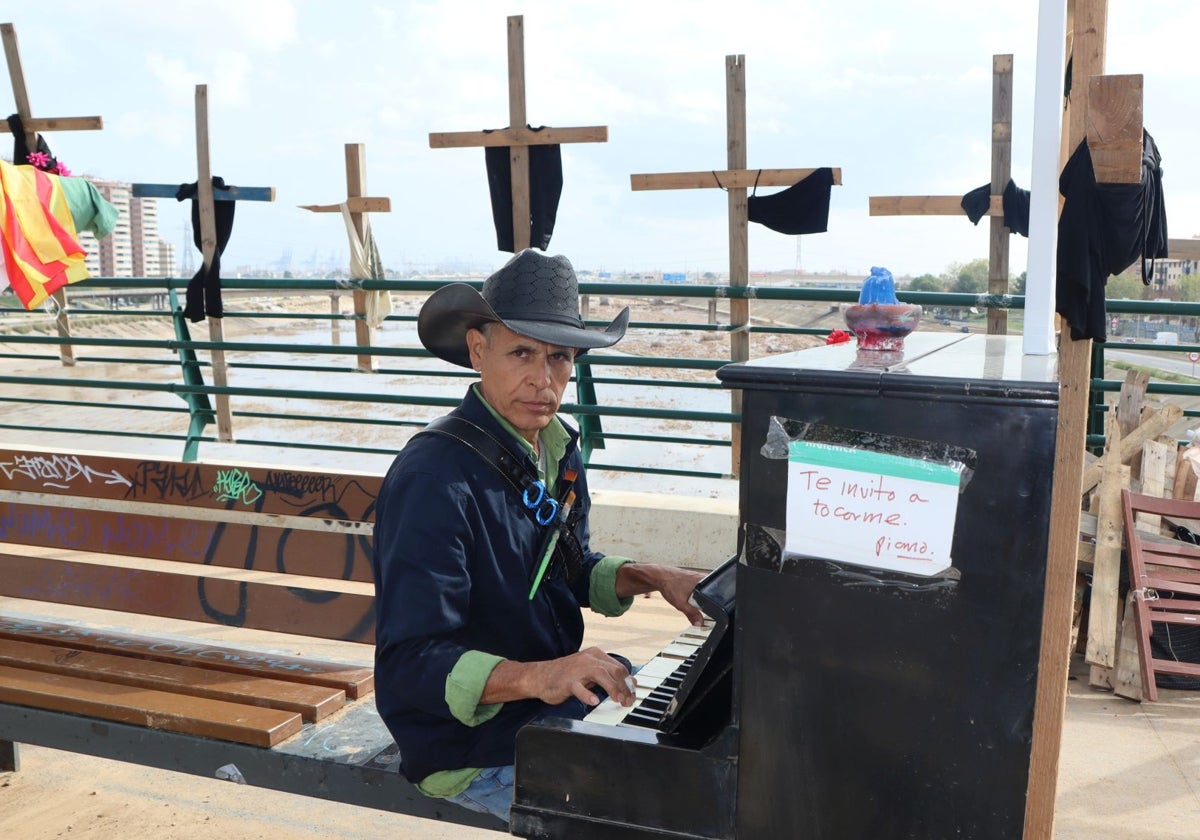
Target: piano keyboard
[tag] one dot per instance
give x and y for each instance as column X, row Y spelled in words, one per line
column 657, row 682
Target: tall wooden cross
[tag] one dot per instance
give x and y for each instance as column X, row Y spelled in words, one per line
column 358, row 204
column 735, row 180
column 949, row 205
column 518, row 137
column 208, row 244
column 33, row 125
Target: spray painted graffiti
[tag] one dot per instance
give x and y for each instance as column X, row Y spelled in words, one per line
column 59, row 471
column 236, row 485
column 165, row 480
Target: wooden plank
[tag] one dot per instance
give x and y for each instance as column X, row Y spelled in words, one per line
column 236, row 722
column 1184, row 249
column 998, row 234
column 224, row 601
column 1114, row 128
column 1087, row 28
column 1184, row 486
column 355, row 204
column 355, row 681
column 1151, row 427
column 1154, row 481
column 1132, row 400
column 1127, row 680
column 231, row 193
column 1106, row 569
column 926, row 205
column 211, row 486
column 40, row 124
column 520, row 136
column 355, row 157
column 738, row 222
column 311, row 702
column 725, row 179
column 208, row 248
column 518, row 153
column 265, row 547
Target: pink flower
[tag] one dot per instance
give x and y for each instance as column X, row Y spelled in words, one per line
column 39, row 159
column 837, row 337
column 62, row 170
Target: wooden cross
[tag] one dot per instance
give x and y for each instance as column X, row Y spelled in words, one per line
column 357, row 204
column 33, row 125
column 208, row 244
column 735, row 180
column 518, row 137
column 950, row 205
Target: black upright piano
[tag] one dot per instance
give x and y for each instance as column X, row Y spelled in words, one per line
column 870, row 666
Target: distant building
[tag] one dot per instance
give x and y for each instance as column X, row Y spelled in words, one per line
column 134, row 248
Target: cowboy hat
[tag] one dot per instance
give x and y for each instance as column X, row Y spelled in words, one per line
column 534, row 295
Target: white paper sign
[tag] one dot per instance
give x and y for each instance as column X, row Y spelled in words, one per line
column 869, row 508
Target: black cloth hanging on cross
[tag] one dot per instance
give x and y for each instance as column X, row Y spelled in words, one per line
column 204, row 289
column 801, row 208
column 545, row 189
column 21, row 148
column 1103, row 230
column 1016, row 206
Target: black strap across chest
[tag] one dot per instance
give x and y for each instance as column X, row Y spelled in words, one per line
column 520, row 474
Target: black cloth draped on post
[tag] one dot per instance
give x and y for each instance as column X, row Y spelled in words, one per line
column 1103, row 230
column 21, row 148
column 801, row 208
column 1016, row 206
column 204, row 289
column 545, row 189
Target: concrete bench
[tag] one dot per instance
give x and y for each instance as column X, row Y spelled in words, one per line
column 279, row 556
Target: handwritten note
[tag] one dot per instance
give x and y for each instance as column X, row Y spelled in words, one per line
column 869, row 508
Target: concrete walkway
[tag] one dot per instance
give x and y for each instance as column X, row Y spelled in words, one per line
column 1128, row 771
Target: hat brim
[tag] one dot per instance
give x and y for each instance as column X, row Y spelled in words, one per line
column 452, row 310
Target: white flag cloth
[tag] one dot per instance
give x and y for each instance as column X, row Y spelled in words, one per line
column 366, row 265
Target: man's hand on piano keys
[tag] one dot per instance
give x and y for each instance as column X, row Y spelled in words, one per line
column 673, row 583
column 555, row 680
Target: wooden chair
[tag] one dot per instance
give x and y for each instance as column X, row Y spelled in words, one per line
column 1164, row 574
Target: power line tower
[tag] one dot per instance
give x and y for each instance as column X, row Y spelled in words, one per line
column 187, row 268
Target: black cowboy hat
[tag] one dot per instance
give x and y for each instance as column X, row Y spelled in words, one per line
column 534, row 295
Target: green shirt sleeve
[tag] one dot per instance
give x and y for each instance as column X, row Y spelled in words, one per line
column 464, row 687
column 602, row 587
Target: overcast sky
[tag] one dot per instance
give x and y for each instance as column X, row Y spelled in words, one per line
column 898, row 94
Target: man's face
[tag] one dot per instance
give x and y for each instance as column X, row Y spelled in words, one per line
column 522, row 378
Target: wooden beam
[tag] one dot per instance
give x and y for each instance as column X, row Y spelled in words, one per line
column 999, row 235
column 1114, row 128
column 926, row 205
column 356, row 185
column 355, row 204
column 1087, row 31
column 724, row 179
column 519, row 136
column 208, row 248
column 1183, row 249
column 57, row 124
column 739, row 223
column 227, row 194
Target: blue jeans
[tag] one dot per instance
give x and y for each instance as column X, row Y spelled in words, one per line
column 491, row 792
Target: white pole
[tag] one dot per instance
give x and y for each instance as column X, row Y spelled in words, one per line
column 1043, row 189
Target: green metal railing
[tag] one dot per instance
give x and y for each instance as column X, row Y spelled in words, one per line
column 282, row 373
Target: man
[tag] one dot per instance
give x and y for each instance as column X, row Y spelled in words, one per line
column 482, row 561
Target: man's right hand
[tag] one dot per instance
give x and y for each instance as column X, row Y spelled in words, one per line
column 556, row 680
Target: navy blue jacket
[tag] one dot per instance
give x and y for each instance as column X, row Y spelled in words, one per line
column 454, row 555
